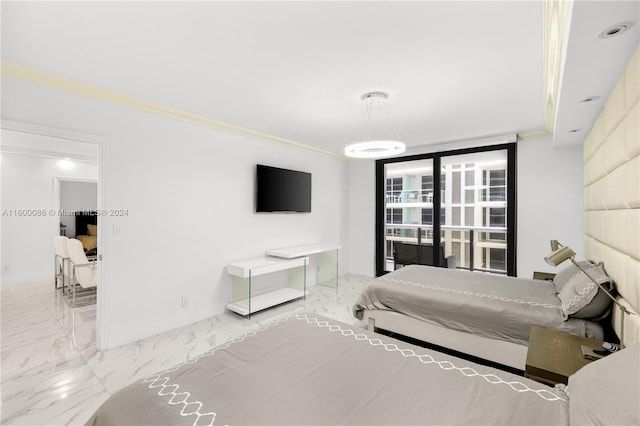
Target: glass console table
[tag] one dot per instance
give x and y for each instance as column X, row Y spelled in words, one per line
column 245, row 300
column 327, row 260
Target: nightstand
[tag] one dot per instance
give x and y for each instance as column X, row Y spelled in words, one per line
column 554, row 355
column 546, row 276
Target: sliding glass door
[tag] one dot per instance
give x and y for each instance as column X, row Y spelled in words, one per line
column 474, row 202
column 462, row 202
column 408, row 205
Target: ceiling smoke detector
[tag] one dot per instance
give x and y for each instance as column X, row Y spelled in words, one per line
column 615, row 30
column 589, row 99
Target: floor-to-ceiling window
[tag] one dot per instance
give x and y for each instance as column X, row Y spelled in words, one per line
column 463, row 201
column 408, row 202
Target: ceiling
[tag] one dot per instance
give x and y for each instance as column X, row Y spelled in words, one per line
column 297, row 70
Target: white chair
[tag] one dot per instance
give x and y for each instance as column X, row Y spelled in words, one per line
column 61, row 267
column 84, row 272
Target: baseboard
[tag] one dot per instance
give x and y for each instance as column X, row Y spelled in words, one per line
column 142, row 331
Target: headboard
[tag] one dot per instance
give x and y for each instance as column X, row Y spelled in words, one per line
column 83, row 219
column 612, row 194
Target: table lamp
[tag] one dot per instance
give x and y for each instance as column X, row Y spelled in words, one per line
column 560, row 253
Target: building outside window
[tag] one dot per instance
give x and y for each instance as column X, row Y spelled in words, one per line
column 427, row 188
column 494, row 258
column 394, row 215
column 473, row 190
column 394, row 190
column 427, row 217
column 495, row 182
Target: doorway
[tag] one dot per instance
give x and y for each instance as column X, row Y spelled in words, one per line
column 75, row 196
column 36, row 162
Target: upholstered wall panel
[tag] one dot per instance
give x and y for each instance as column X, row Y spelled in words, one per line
column 633, row 175
column 632, row 82
column 615, row 109
column 612, row 192
column 595, row 138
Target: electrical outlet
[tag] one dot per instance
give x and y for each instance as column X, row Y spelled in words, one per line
column 185, row 301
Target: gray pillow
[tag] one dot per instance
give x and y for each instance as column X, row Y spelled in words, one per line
column 600, row 305
column 578, row 296
column 607, row 391
column 565, row 274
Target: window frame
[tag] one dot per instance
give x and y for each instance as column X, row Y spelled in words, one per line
column 511, row 215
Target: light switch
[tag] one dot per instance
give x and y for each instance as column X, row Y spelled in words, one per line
column 116, row 229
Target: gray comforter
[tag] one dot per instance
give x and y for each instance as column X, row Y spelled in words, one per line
column 311, row 370
column 488, row 305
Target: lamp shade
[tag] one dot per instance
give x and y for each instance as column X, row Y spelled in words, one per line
column 559, row 256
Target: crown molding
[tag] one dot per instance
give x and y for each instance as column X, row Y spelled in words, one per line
column 556, row 17
column 538, row 134
column 42, row 78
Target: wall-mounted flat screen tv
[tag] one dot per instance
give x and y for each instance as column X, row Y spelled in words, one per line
column 282, row 190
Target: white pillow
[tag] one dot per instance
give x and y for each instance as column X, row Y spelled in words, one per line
column 580, row 290
column 565, row 274
column 607, row 391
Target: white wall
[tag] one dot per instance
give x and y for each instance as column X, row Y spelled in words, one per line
column 189, row 193
column 546, row 210
column 550, row 203
column 76, row 196
column 161, row 170
column 27, row 185
column 362, row 217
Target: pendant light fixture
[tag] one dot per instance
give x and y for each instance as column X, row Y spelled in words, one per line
column 369, row 147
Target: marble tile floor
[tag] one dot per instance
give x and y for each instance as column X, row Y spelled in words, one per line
column 51, row 373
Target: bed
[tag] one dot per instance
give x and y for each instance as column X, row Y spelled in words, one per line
column 87, row 229
column 307, row 369
column 484, row 315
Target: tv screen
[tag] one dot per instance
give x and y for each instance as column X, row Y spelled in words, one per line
column 282, row 190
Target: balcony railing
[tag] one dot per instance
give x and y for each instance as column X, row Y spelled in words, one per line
column 474, row 243
column 409, row 196
column 426, row 196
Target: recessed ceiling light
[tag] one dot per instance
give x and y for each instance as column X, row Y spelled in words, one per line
column 575, row 130
column 615, row 30
column 589, row 99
